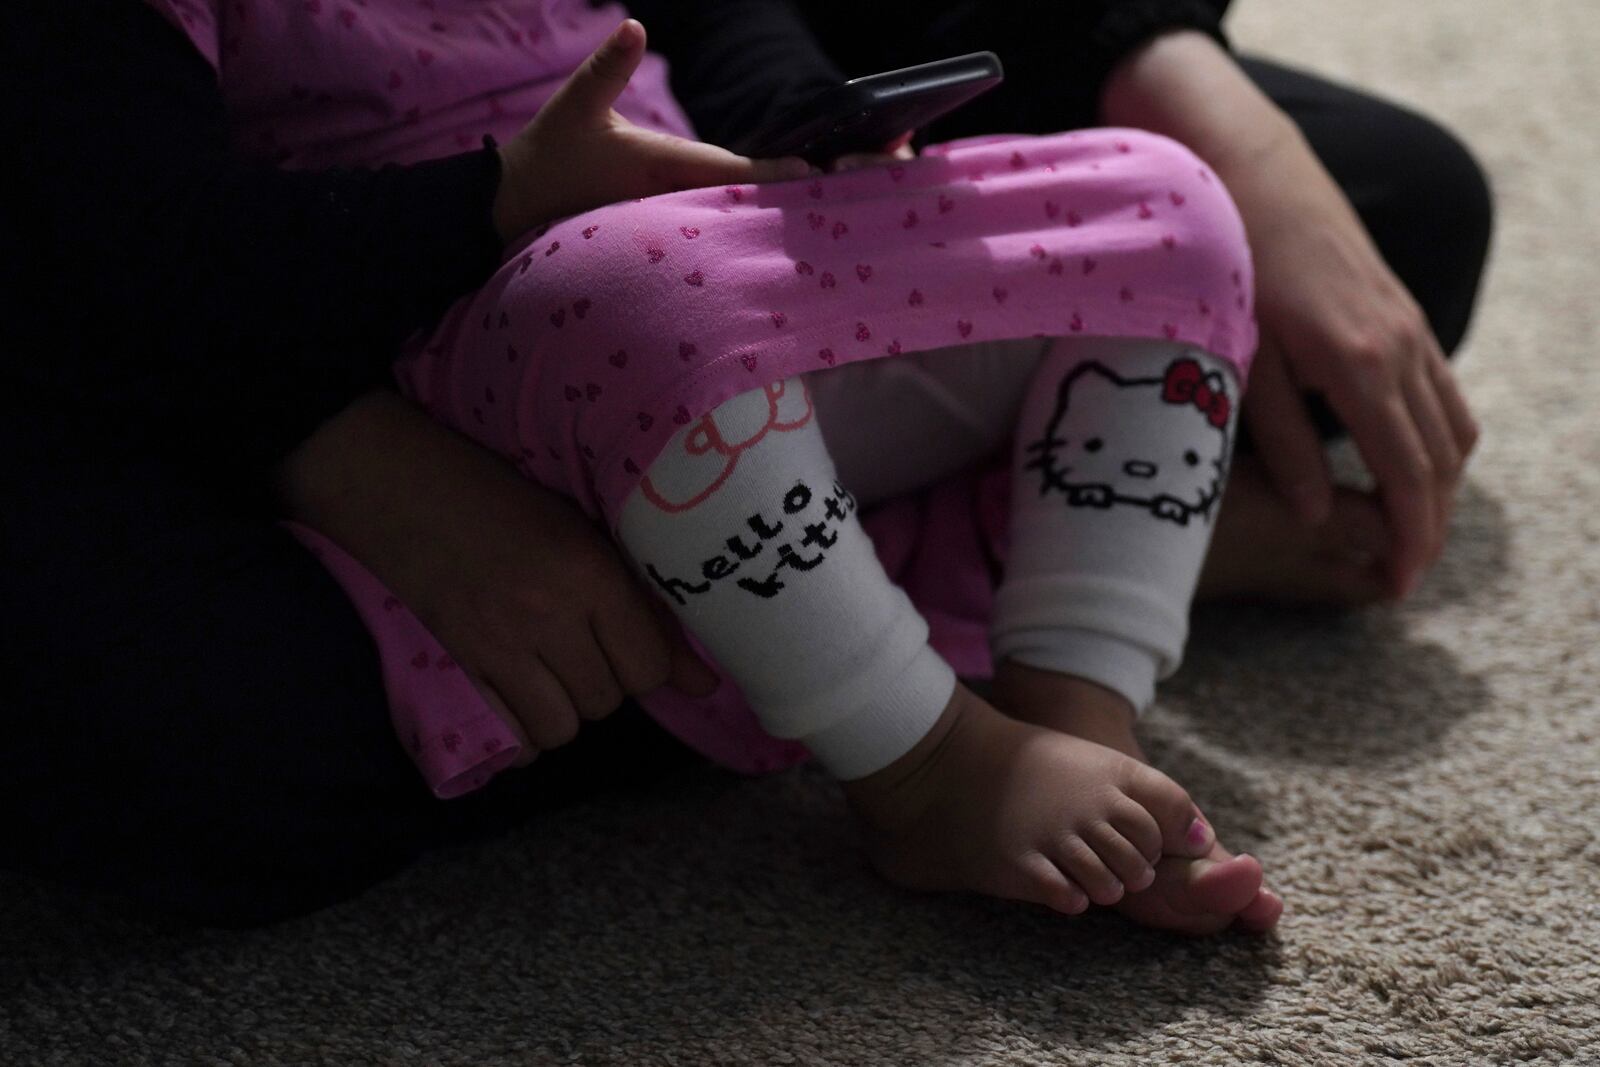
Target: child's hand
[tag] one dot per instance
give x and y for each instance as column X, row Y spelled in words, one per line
column 578, row 154
column 527, row 594
column 897, row 149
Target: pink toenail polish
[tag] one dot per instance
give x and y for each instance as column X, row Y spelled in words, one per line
column 1197, row 833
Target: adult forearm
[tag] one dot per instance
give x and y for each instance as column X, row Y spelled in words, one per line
column 1185, row 86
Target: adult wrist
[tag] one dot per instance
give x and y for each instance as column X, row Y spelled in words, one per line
column 1184, row 85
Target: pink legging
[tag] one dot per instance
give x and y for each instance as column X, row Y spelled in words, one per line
column 601, row 337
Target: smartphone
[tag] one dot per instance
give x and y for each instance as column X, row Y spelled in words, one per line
column 864, row 114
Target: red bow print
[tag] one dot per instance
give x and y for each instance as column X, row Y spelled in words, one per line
column 1186, row 383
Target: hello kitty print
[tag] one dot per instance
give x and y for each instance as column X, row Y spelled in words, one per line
column 601, row 337
column 1160, row 444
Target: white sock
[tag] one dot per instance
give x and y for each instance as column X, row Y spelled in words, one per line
column 742, row 527
column 1122, row 453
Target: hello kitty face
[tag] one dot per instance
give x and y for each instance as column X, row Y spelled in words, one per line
column 1155, row 443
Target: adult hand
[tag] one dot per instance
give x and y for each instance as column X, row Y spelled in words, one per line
column 579, row 154
column 525, row 592
column 1334, row 319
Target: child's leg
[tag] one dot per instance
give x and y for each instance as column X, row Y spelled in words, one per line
column 742, row 527
column 952, row 407
column 1122, row 450
column 897, row 425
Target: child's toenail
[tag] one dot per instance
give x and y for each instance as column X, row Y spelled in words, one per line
column 1198, row 833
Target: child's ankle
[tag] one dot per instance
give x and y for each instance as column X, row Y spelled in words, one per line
column 890, row 798
column 1067, row 703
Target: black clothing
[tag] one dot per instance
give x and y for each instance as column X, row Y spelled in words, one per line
column 202, row 294
column 193, row 711
column 738, row 63
column 229, row 294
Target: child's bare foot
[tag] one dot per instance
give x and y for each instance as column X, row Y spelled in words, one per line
column 992, row 804
column 1190, row 895
column 1262, row 551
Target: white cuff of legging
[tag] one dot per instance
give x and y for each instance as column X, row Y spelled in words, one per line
column 899, row 715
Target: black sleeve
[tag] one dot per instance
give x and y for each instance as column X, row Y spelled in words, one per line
column 161, row 277
column 1056, row 54
column 736, row 63
column 1117, row 27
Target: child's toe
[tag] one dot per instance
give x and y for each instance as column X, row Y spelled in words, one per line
column 1262, row 913
column 1040, row 881
column 1223, row 887
column 1134, row 822
column 1125, row 860
column 1083, row 865
column 1183, row 832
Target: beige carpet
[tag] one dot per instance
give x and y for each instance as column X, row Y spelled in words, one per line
column 1423, row 784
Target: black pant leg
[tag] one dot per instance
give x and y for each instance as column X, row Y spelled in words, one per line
column 1419, row 191
column 193, row 715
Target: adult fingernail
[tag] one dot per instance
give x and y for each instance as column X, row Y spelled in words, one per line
column 1199, row 834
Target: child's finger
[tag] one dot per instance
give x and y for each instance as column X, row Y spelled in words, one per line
column 694, row 165
column 688, row 673
column 634, row 643
column 600, row 79
column 536, row 697
column 857, row 160
column 577, row 660
column 528, row 750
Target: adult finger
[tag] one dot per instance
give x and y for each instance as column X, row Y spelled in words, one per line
column 1462, row 424
column 1286, row 440
column 600, row 79
column 528, row 750
column 1344, row 580
column 1437, row 438
column 1355, row 526
column 534, row 694
column 1382, row 428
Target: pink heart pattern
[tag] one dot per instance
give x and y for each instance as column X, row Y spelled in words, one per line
column 1048, row 247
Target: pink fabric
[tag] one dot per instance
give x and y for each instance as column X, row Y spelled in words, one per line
column 318, row 83
column 601, row 335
